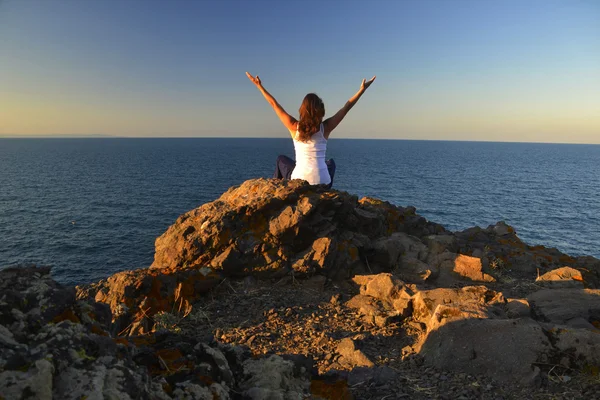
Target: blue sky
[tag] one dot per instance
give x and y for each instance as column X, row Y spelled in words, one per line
column 451, row 70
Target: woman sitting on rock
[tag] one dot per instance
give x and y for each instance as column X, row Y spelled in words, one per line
column 310, row 135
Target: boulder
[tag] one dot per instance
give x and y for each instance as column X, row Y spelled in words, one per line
column 462, row 268
column 382, row 297
column 350, row 356
column 561, row 305
column 565, row 277
column 506, row 350
column 576, row 348
column 475, row 301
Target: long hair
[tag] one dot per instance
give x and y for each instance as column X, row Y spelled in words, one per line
column 312, row 111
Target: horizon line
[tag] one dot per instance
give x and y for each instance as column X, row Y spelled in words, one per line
column 105, row 136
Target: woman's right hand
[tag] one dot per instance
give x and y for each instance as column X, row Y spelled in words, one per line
column 365, row 84
column 254, row 79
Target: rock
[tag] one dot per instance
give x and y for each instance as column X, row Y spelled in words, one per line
column 135, row 296
column 565, row 277
column 462, row 267
column 70, row 355
column 517, row 308
column 387, row 252
column 415, row 270
column 36, row 382
column 351, row 357
column 503, row 349
column 502, row 229
column 500, row 245
column 413, row 247
column 388, row 290
column 438, row 244
column 384, row 287
column 371, row 310
column 476, row 301
column 258, row 234
column 56, row 342
column 580, row 323
column 580, row 346
column 274, row 378
column 561, row 305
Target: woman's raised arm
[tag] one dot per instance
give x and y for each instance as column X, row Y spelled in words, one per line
column 332, row 122
column 286, row 119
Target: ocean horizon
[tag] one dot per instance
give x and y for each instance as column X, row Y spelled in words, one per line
column 90, row 208
column 108, row 136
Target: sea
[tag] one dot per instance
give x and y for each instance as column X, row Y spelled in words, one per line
column 91, row 207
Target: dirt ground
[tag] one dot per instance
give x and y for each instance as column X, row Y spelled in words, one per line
column 309, row 318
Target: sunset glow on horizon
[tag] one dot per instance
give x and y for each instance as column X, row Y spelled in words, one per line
column 516, row 71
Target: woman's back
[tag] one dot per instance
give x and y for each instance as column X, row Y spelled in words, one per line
column 310, row 159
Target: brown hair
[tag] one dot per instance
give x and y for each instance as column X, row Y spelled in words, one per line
column 312, row 111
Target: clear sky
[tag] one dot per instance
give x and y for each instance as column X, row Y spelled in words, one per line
column 500, row 70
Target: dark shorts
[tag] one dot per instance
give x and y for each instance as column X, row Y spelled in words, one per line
column 284, row 166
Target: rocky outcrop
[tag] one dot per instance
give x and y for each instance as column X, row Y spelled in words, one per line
column 270, row 229
column 478, row 301
column 265, row 229
column 53, row 346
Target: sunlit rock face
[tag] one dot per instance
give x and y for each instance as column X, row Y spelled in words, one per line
column 272, row 227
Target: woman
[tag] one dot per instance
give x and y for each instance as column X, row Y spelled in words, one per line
column 310, row 134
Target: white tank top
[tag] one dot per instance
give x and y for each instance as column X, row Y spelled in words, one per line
column 310, row 159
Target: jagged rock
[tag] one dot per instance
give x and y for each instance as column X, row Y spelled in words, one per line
column 67, row 354
column 350, row 356
column 412, row 246
column 262, row 226
column 135, row 296
column 462, row 267
column 381, row 298
column 389, row 290
column 561, row 305
column 565, row 277
column 476, row 301
column 501, row 246
column 373, row 312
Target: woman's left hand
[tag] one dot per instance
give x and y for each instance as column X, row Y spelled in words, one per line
column 255, row 80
